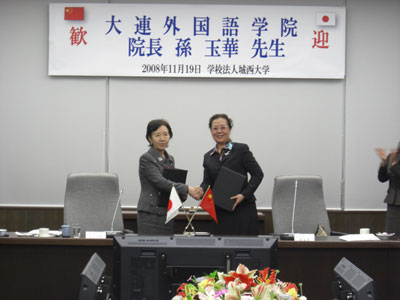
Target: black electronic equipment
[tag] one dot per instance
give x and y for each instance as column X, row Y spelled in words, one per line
column 350, row 283
column 93, row 284
column 153, row 267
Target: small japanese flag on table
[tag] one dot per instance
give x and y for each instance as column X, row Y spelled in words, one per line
column 173, row 205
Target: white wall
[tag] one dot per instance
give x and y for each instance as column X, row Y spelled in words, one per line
column 51, row 126
column 372, row 96
column 289, row 127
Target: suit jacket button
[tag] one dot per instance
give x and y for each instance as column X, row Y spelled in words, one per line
column 151, row 195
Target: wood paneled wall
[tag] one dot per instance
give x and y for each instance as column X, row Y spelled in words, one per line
column 28, row 218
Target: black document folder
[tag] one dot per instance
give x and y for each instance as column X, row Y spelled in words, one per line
column 229, row 183
column 175, row 175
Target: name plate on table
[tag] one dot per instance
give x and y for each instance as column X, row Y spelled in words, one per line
column 96, row 235
column 304, row 237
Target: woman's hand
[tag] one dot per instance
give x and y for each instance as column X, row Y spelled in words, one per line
column 195, row 192
column 393, row 156
column 238, row 199
column 381, row 153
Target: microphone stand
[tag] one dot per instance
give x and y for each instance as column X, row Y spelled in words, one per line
column 112, row 232
column 294, row 205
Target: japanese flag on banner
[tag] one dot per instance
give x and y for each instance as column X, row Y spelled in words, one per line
column 326, row 19
column 207, row 203
column 74, row 13
column 173, row 205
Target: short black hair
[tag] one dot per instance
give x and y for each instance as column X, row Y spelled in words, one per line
column 154, row 125
column 222, row 116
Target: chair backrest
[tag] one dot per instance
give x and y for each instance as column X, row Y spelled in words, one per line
column 92, row 200
column 305, row 202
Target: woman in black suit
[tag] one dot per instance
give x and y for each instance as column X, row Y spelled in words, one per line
column 389, row 170
column 242, row 220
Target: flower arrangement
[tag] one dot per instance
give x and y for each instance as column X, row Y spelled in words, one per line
column 241, row 284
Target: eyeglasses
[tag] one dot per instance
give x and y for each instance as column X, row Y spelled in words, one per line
column 222, row 128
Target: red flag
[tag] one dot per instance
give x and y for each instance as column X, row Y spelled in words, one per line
column 208, row 204
column 74, row 13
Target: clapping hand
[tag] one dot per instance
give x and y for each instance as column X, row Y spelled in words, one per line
column 381, row 153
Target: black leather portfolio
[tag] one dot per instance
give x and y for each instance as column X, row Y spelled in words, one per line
column 229, row 183
column 175, row 175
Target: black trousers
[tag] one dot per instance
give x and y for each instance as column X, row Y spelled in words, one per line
column 393, row 219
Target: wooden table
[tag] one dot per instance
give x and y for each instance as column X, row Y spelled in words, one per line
column 49, row 268
column 313, row 262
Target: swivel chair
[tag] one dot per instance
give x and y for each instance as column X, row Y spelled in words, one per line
column 93, row 201
column 298, row 205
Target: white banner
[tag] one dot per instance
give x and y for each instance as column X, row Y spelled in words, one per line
column 245, row 41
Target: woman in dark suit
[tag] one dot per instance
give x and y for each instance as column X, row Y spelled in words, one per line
column 389, row 170
column 242, row 220
column 151, row 213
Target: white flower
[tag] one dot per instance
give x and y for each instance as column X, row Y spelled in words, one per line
column 247, row 297
column 220, row 276
column 205, row 297
column 233, row 292
column 260, row 292
column 209, row 290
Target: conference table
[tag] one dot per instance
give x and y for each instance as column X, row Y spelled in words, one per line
column 34, row 268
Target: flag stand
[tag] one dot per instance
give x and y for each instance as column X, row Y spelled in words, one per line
column 189, row 224
column 206, row 203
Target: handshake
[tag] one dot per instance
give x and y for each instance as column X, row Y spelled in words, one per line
column 195, row 192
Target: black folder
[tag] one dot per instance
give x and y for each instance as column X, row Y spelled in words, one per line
column 175, row 175
column 229, row 183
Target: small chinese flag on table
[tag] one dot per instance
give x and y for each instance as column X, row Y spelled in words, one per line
column 208, row 204
column 74, row 13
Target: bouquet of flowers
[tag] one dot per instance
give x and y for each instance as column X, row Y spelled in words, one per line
column 241, row 284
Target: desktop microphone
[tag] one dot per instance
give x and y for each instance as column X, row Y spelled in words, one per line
column 294, row 205
column 112, row 232
column 290, row 236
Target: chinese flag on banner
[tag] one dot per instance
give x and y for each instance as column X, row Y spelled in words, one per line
column 74, row 13
column 174, row 204
column 208, row 204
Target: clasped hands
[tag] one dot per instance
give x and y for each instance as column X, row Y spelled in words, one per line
column 195, row 192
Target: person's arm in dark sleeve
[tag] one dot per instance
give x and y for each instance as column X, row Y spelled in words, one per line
column 207, row 180
column 255, row 171
column 383, row 175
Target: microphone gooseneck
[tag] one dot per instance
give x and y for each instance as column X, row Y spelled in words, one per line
column 294, row 204
column 116, row 208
